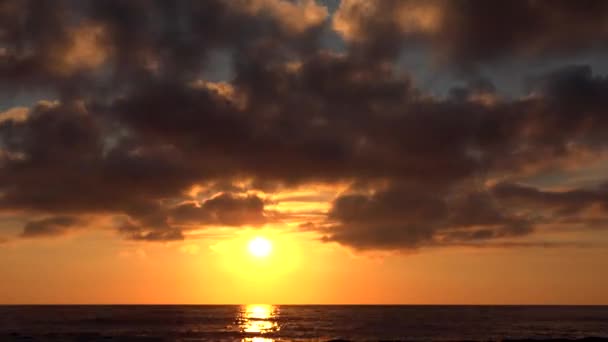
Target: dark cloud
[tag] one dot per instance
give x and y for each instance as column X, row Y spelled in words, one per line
column 531, row 244
column 135, row 124
column 561, row 202
column 147, row 233
column 222, row 210
column 480, row 31
column 392, row 219
column 55, row 161
column 572, row 106
column 52, row 226
column 399, row 217
column 164, row 223
column 80, row 48
column 469, row 32
column 410, row 217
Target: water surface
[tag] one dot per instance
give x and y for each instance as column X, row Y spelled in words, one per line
column 302, row 323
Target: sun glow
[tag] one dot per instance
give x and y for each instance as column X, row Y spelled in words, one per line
column 260, row 247
column 260, row 257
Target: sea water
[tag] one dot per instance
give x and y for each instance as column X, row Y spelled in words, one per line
column 266, row 323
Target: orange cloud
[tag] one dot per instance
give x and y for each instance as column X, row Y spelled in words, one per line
column 407, row 16
column 15, row 114
column 85, row 50
column 294, row 16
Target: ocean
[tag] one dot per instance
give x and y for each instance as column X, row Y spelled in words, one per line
column 266, row 323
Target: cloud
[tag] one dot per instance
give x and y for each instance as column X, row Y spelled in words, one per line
column 563, row 203
column 393, row 132
column 296, row 16
column 14, row 114
column 85, row 49
column 224, row 210
column 400, row 217
column 154, row 222
column 469, row 33
column 391, row 219
column 147, row 233
column 49, row 227
column 75, row 48
column 405, row 217
column 134, row 125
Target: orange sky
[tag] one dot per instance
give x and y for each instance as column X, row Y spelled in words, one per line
column 93, row 267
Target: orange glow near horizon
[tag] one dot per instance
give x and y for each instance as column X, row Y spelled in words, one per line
column 219, row 269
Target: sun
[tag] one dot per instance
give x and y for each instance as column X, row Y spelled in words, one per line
column 260, row 247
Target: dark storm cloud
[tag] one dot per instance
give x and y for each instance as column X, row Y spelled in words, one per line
column 53, row 226
column 136, row 125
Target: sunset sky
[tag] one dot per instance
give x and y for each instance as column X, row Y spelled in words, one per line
column 277, row 151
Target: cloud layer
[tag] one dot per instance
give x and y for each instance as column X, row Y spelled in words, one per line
column 131, row 127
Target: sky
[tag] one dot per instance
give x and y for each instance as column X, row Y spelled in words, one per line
column 384, row 151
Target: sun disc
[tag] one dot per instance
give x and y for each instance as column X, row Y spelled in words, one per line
column 260, row 247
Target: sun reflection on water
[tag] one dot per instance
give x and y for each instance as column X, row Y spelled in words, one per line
column 257, row 339
column 258, row 319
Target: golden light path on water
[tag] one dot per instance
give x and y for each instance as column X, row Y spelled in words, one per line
column 258, row 319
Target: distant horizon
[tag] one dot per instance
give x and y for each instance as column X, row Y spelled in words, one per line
column 392, row 304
